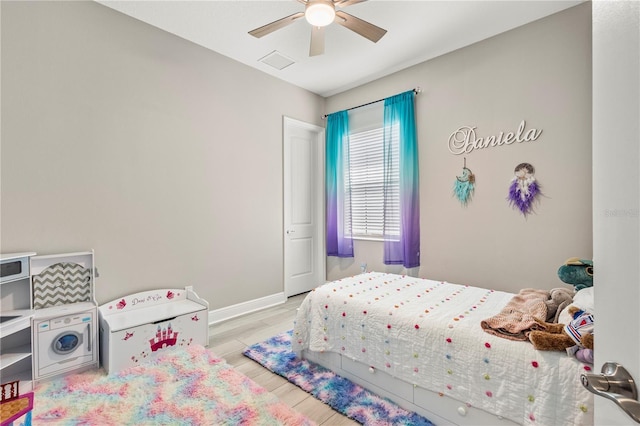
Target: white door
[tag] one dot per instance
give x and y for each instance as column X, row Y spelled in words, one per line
column 304, row 265
column 616, row 193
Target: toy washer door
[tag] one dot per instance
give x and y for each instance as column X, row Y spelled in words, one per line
column 66, row 342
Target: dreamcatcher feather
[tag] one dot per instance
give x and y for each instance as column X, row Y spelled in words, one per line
column 464, row 185
column 523, row 189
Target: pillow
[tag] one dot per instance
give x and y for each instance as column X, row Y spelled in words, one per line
column 583, row 299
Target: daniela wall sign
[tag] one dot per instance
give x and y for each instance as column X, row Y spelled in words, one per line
column 464, row 140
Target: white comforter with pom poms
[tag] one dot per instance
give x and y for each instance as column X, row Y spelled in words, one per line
column 428, row 333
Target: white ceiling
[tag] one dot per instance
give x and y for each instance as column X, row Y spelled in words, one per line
column 416, row 31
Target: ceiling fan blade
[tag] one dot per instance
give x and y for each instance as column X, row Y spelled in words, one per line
column 364, row 28
column 317, row 41
column 345, row 3
column 275, row 25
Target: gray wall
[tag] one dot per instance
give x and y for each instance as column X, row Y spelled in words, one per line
column 164, row 157
column 540, row 72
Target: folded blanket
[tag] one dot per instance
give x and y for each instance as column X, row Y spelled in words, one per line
column 524, row 313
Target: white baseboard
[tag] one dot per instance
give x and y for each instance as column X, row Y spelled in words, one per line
column 223, row 314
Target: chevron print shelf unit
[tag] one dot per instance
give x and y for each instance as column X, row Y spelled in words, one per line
column 62, row 279
column 60, row 284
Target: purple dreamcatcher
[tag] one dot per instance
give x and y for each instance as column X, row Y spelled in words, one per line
column 524, row 189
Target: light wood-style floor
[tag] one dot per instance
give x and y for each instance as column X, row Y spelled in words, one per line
column 229, row 338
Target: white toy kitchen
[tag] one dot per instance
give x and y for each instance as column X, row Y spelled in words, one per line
column 15, row 320
column 49, row 314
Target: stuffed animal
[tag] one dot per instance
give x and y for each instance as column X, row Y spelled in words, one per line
column 559, row 299
column 574, row 330
column 582, row 354
column 559, row 337
column 577, row 272
column 583, row 299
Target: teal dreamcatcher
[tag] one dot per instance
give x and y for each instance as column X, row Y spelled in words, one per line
column 464, row 185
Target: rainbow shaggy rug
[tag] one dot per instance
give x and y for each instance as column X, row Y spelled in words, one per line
column 189, row 386
column 341, row 394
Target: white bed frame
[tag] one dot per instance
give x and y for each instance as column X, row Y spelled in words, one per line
column 439, row 409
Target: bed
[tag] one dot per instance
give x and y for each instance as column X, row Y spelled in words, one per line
column 419, row 342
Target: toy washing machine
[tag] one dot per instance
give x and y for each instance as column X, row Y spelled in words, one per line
column 65, row 341
column 65, row 316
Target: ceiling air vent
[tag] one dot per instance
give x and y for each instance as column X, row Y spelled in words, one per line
column 276, row 60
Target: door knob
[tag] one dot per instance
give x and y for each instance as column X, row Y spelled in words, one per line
column 615, row 383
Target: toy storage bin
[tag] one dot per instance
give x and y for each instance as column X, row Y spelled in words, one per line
column 140, row 325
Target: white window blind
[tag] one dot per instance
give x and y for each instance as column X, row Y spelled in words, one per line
column 366, row 184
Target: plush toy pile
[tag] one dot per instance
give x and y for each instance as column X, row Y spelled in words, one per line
column 573, row 314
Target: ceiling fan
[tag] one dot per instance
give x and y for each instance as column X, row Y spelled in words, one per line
column 320, row 13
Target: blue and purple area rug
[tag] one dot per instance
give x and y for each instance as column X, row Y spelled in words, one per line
column 341, row 394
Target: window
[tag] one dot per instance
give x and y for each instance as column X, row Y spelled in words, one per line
column 366, row 184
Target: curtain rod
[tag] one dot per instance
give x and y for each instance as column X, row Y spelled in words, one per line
column 415, row 90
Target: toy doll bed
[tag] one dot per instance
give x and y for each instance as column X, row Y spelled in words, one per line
column 419, row 342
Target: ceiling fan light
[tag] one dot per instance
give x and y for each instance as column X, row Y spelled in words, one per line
column 320, row 14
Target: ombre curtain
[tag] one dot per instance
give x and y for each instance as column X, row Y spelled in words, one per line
column 401, row 246
column 338, row 200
